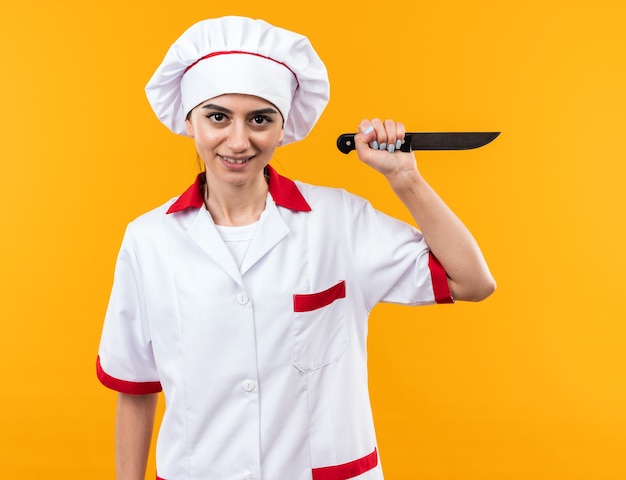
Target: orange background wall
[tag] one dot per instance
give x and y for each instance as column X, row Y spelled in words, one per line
column 527, row 385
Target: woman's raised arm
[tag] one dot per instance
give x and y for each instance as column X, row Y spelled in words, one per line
column 448, row 238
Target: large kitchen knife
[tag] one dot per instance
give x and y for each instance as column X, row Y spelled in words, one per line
column 430, row 141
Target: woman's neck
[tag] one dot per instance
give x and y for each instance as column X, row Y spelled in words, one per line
column 235, row 205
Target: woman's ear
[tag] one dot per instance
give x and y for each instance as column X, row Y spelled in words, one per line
column 189, row 126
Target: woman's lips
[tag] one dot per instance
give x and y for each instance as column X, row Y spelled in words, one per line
column 235, row 160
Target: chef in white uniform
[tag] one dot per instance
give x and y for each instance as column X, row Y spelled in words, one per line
column 246, row 299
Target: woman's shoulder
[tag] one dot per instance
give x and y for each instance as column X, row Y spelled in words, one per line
column 321, row 196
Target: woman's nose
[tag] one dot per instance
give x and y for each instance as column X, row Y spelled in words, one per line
column 238, row 137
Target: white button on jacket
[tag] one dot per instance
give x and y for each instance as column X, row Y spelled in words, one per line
column 242, row 299
column 248, row 385
column 278, row 388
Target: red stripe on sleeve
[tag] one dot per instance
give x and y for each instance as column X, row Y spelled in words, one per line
column 347, row 470
column 124, row 386
column 440, row 281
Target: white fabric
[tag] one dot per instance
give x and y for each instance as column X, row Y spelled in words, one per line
column 292, row 77
column 237, row 239
column 251, row 386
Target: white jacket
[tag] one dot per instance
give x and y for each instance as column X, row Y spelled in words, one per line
column 264, row 368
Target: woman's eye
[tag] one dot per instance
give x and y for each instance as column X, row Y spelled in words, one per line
column 217, row 117
column 261, row 119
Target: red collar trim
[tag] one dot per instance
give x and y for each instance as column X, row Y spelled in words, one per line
column 283, row 190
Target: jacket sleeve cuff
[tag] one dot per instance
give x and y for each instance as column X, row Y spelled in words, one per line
column 124, row 386
column 438, row 275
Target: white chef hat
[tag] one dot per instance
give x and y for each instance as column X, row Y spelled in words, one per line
column 241, row 55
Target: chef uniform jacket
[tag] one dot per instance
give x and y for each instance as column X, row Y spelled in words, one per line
column 263, row 367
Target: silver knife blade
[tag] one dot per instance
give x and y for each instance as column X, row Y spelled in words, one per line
column 430, row 141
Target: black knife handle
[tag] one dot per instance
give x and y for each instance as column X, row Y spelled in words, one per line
column 345, row 143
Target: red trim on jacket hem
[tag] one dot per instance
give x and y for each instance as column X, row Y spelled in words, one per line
column 347, row 470
column 124, row 386
column 344, row 471
column 312, row 301
column 439, row 277
column 283, row 190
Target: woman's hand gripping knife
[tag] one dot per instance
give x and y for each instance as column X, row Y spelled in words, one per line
column 378, row 145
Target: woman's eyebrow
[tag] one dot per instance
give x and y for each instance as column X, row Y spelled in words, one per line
column 264, row 111
column 212, row 106
column 261, row 111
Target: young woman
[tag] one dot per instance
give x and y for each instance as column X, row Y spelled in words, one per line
column 246, row 299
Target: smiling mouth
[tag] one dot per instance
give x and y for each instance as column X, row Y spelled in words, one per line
column 236, row 161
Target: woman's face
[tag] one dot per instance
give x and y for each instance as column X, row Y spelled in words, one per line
column 235, row 136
